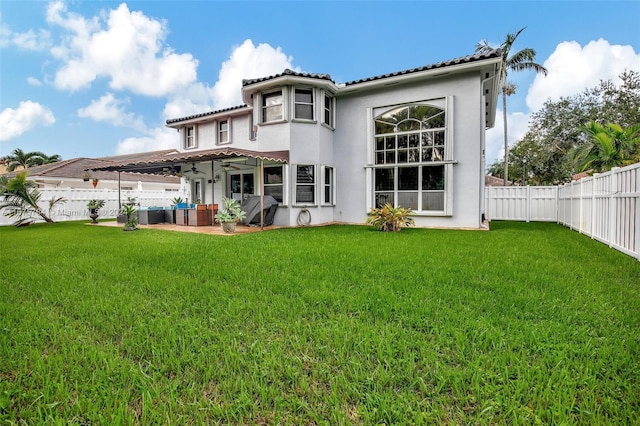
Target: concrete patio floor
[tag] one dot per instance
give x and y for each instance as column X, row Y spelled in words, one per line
column 208, row 229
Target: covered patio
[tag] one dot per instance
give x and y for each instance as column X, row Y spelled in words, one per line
column 207, row 230
column 209, row 175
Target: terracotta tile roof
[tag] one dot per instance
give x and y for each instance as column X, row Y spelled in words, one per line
column 287, row 72
column 457, row 61
column 205, row 114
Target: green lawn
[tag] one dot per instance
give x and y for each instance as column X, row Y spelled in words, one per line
column 525, row 324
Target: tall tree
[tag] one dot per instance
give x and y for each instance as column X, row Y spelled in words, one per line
column 521, row 60
column 20, row 159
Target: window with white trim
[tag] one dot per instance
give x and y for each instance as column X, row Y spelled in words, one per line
column 328, row 111
column 305, row 184
column 190, row 140
column 272, row 108
column 328, row 186
column 274, row 182
column 303, row 104
column 223, row 132
column 411, row 157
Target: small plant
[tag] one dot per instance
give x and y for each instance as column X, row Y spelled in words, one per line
column 131, row 223
column 94, row 207
column 389, row 218
column 177, row 200
column 230, row 214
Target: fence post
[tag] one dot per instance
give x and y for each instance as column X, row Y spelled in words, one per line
column 528, row 206
column 613, row 217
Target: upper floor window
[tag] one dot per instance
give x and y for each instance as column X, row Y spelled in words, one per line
column 223, row 131
column 272, row 106
column 304, row 104
column 328, row 111
column 190, row 137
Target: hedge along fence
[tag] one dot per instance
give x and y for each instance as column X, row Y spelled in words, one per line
column 605, row 206
column 75, row 208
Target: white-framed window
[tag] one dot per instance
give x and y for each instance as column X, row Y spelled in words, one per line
column 328, row 186
column 328, row 111
column 412, row 158
column 303, row 104
column 272, row 107
column 305, row 185
column 274, row 182
column 224, row 131
column 190, row 137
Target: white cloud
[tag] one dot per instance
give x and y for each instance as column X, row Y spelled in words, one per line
column 28, row 115
column 29, row 40
column 517, row 126
column 158, row 139
column 111, row 110
column 573, row 68
column 32, row 81
column 122, row 46
column 247, row 61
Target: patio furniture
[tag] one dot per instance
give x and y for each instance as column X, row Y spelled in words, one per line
column 151, row 215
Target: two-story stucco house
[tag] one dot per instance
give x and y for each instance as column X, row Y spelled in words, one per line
column 329, row 152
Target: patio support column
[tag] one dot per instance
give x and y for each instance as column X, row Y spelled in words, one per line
column 262, row 194
column 213, row 182
column 119, row 199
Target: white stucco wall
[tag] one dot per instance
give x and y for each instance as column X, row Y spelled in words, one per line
column 353, row 139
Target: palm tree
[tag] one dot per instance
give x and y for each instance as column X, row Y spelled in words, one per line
column 519, row 61
column 20, row 159
column 20, row 198
column 609, row 145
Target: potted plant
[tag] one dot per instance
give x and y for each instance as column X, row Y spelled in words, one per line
column 131, row 217
column 230, row 214
column 86, row 176
column 94, row 207
column 389, row 218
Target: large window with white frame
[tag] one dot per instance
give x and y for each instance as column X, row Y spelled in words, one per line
column 305, row 184
column 190, row 140
column 224, row 131
column 303, row 104
column 328, row 111
column 272, row 107
column 412, row 157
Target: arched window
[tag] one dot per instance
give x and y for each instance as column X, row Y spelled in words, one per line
column 410, row 157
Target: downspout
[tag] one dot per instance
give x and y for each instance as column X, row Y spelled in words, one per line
column 483, row 107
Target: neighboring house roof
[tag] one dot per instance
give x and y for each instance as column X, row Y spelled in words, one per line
column 76, row 167
column 495, row 181
column 154, row 163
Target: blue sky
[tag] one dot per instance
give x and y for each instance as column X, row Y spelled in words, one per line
column 98, row 78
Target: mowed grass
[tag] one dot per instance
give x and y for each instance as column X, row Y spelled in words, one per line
column 525, row 324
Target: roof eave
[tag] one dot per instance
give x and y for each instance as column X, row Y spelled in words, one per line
column 417, row 75
column 285, row 80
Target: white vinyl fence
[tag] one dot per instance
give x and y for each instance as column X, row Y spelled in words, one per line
column 605, row 206
column 75, row 208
